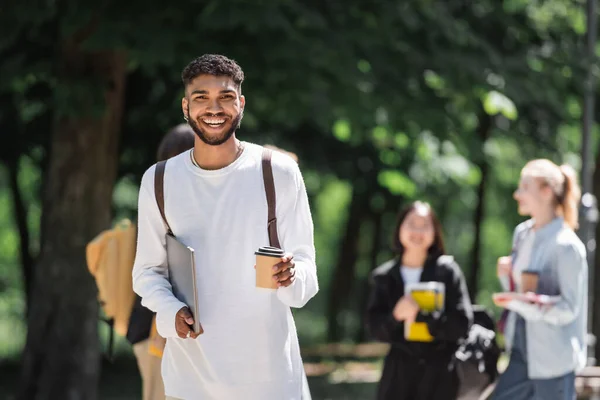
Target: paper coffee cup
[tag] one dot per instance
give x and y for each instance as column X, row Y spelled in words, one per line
column 266, row 258
column 529, row 281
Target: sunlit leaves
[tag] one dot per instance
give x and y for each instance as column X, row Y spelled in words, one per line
column 341, row 130
column 401, row 140
column 397, row 183
column 364, row 66
column 497, row 103
column 433, row 80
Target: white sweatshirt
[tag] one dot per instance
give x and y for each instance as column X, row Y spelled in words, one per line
column 249, row 349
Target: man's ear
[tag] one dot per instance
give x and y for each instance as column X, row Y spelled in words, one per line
column 242, row 102
column 184, row 108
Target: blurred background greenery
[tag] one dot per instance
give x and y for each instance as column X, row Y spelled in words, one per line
column 384, row 102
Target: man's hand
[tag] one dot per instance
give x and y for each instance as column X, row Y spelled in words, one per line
column 184, row 323
column 406, row 309
column 284, row 273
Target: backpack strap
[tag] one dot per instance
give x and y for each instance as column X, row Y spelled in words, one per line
column 271, row 198
column 159, row 176
column 159, row 193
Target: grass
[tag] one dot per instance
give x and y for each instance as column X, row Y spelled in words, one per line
column 121, row 381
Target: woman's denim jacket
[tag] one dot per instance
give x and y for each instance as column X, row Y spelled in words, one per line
column 556, row 335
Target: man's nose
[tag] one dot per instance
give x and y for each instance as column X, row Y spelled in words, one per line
column 214, row 106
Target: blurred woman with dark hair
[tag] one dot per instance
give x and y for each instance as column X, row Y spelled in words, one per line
column 418, row 370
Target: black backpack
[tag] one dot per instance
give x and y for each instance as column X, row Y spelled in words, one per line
column 477, row 356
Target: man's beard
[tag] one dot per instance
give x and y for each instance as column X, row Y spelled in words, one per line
column 219, row 140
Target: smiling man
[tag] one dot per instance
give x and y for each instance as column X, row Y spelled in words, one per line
column 215, row 202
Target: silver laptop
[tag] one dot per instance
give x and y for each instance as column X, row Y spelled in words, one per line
column 182, row 275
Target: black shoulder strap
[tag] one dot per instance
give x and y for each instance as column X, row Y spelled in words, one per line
column 159, row 193
column 271, row 199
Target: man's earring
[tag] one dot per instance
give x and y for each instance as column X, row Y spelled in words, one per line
column 185, row 117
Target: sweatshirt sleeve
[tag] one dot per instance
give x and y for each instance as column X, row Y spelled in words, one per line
column 150, row 273
column 295, row 229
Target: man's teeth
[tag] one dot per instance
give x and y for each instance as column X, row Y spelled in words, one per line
column 214, row 121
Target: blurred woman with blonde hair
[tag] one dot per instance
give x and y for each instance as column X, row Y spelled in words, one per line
column 545, row 279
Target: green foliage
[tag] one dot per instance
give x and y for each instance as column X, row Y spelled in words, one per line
column 342, row 131
column 397, row 183
column 496, row 103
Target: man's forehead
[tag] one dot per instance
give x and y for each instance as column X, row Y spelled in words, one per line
column 211, row 82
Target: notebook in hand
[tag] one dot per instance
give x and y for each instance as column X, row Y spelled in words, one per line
column 182, row 275
column 430, row 297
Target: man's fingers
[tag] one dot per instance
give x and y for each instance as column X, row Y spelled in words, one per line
column 186, row 315
column 285, row 274
column 282, row 276
column 286, row 283
column 278, row 268
column 286, row 278
column 194, row 335
column 286, row 263
column 182, row 332
column 184, row 322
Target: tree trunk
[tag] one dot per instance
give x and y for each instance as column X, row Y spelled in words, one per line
column 62, row 358
column 20, row 214
column 343, row 274
column 361, row 335
column 483, row 133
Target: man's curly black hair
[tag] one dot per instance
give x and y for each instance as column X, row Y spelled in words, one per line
column 213, row 64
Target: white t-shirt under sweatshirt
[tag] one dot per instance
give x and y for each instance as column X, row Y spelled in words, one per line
column 249, row 349
column 523, row 258
column 410, row 275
